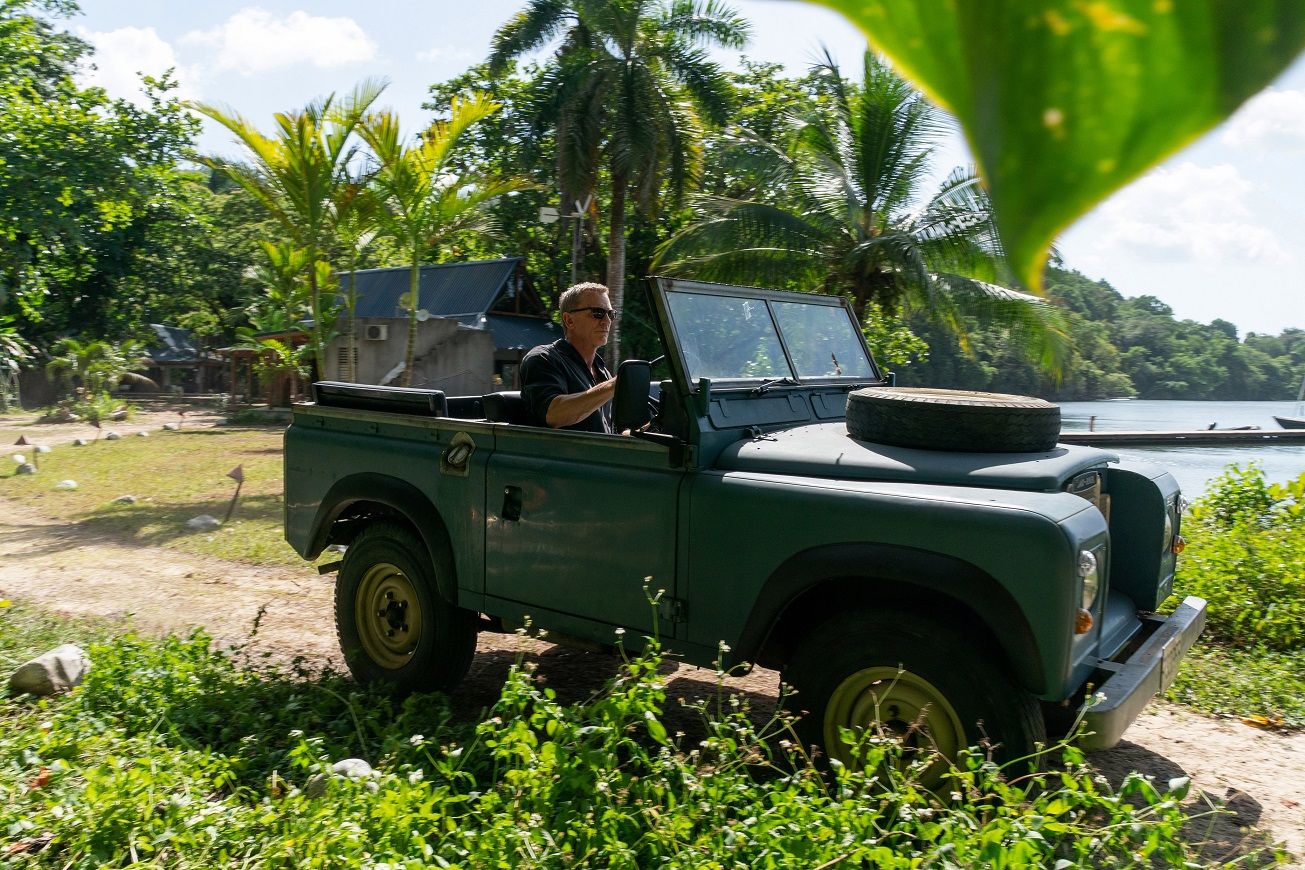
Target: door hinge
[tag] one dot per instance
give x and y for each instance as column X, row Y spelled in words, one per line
column 672, row 609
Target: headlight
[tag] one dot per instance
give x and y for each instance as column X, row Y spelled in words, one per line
column 1089, row 572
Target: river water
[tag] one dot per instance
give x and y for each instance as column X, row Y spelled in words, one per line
column 1193, row 466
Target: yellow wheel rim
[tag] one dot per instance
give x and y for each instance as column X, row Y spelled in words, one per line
column 897, row 704
column 388, row 616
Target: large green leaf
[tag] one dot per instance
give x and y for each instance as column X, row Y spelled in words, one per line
column 1065, row 101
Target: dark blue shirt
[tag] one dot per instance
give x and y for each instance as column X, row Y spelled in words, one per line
column 557, row 369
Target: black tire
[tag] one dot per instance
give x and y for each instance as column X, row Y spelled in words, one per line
column 918, row 678
column 953, row 420
column 392, row 624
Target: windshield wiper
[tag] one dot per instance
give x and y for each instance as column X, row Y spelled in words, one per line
column 764, row 387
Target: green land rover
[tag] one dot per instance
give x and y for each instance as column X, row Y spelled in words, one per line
column 926, row 561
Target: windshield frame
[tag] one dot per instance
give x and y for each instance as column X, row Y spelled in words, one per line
column 662, row 287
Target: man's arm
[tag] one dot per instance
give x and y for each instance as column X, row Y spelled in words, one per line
column 569, row 409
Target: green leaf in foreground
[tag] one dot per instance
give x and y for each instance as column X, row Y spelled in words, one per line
column 1065, row 101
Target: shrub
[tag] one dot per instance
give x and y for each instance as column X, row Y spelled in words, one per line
column 171, row 755
column 1246, row 557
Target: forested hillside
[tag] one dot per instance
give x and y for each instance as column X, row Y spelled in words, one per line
column 1122, row 347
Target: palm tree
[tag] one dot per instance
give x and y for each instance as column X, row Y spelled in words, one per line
column 297, row 175
column 627, row 90
column 422, row 201
column 98, row 366
column 839, row 210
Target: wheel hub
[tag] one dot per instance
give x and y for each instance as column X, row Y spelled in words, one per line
column 388, row 615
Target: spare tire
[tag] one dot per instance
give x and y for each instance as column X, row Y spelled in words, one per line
column 953, row 420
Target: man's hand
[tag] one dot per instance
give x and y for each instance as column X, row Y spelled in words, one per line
column 567, row 410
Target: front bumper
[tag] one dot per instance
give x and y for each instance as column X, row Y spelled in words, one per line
column 1147, row 672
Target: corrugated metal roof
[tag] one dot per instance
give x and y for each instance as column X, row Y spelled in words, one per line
column 514, row 332
column 174, row 344
column 446, row 290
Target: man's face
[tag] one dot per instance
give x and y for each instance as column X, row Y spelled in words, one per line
column 581, row 325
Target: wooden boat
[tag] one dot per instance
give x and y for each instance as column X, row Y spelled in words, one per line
column 1298, row 421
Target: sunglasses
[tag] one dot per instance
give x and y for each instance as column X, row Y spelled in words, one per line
column 597, row 312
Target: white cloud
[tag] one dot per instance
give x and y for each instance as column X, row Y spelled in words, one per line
column 122, row 55
column 1188, row 213
column 1272, row 121
column 254, row 40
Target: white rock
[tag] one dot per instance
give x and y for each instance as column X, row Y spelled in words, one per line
column 25, row 468
column 203, row 522
column 168, row 427
column 51, row 673
column 125, row 499
column 43, row 448
column 66, row 485
column 142, row 434
column 19, row 459
column 347, row 768
column 111, row 436
column 80, row 442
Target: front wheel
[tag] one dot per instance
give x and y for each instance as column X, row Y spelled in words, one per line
column 913, row 678
column 392, row 624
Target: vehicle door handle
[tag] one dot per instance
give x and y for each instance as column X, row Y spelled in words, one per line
column 511, row 504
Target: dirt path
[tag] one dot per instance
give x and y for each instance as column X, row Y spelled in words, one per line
column 1258, row 777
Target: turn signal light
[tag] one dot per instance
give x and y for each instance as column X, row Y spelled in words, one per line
column 1082, row 622
column 1180, row 544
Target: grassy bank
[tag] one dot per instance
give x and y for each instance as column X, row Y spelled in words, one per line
column 170, row 755
column 174, row 476
column 1246, row 557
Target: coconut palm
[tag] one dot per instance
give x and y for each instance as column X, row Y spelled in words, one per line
column 297, row 174
column 627, row 90
column 421, row 200
column 98, row 366
column 839, row 210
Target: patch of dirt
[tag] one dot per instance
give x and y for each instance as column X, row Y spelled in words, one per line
column 1248, row 785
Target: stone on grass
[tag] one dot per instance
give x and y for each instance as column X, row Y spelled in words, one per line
column 168, row 427
column 203, row 522
column 125, row 499
column 42, row 448
column 346, row 768
column 19, row 459
column 80, row 442
column 66, row 485
column 25, row 468
column 51, row 673
column 142, row 434
column 111, row 436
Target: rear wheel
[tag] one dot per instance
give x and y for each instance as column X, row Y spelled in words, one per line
column 922, row 681
column 392, row 624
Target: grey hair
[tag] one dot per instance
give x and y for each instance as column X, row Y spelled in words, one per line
column 572, row 294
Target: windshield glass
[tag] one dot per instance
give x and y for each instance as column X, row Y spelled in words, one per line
column 738, row 338
column 821, row 340
column 727, row 338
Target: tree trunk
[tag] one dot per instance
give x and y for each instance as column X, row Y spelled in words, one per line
column 408, row 359
column 616, row 263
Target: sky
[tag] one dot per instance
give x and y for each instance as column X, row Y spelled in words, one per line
column 1217, row 231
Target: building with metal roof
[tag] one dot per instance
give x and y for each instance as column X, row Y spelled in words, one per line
column 490, row 297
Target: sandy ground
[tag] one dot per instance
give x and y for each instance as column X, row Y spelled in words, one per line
column 1256, row 779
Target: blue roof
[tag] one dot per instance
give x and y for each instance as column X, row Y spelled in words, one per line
column 174, row 344
column 446, row 290
column 515, row 331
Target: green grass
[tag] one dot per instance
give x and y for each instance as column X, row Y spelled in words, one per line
column 1244, row 683
column 175, row 476
column 170, row 755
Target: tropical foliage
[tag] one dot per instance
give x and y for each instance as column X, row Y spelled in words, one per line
column 421, row 201
column 627, row 91
column 839, row 210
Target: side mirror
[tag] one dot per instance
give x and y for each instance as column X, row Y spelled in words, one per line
column 630, row 402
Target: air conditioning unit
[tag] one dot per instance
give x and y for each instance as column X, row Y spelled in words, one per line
column 376, row 331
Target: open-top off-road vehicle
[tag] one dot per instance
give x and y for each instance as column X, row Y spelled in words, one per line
column 929, row 561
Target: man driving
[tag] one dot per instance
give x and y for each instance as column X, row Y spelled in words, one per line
column 565, row 384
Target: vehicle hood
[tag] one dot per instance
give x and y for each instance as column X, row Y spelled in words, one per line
column 826, row 450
